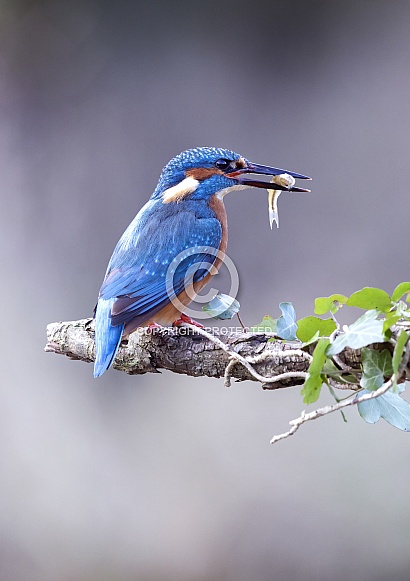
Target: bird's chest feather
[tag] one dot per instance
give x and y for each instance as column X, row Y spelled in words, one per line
column 204, row 214
column 217, row 206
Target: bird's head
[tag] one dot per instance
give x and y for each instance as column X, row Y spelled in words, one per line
column 203, row 172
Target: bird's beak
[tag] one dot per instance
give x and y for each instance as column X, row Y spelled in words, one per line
column 268, row 171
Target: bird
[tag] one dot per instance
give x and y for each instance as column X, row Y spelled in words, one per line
column 185, row 218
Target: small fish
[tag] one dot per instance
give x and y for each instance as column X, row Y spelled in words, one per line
column 283, row 179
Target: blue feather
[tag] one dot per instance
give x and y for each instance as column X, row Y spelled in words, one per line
column 175, row 169
column 136, row 281
column 107, row 337
column 139, row 265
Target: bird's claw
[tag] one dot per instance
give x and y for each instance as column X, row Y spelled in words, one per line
column 185, row 319
column 154, row 325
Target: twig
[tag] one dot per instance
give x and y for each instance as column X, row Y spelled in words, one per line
column 244, row 329
column 339, row 363
column 354, row 400
column 237, row 358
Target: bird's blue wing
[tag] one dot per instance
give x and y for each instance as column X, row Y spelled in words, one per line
column 151, row 263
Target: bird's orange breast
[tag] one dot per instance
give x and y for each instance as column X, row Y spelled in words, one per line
column 168, row 314
column 217, row 205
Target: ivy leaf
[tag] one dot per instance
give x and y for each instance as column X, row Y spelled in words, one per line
column 376, row 367
column 310, row 326
column 389, row 406
column 332, row 304
column 313, row 339
column 370, row 298
column 367, row 329
column 287, row 326
column 330, row 370
column 314, row 381
column 400, row 290
column 267, row 325
column 398, row 350
column 390, row 320
column 402, row 309
column 222, row 307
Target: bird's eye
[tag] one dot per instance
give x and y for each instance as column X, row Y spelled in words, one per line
column 222, row 163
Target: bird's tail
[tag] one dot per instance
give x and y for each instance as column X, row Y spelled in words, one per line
column 107, row 337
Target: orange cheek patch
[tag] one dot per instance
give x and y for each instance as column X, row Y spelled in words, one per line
column 202, row 173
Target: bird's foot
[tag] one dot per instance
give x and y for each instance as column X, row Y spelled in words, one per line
column 154, row 325
column 185, row 319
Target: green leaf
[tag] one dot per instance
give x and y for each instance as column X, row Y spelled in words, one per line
column 330, row 370
column 389, row 406
column 370, row 298
column 313, row 384
column 222, row 307
column 311, row 388
column 400, row 290
column 367, row 329
column 309, row 326
column 398, row 350
column 313, row 339
column 267, row 325
column 319, row 357
column 287, row 326
column 332, row 304
column 390, row 320
column 376, row 367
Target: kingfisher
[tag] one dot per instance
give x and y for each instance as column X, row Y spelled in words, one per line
column 185, row 219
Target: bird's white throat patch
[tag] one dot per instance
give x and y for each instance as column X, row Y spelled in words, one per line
column 179, row 191
column 222, row 193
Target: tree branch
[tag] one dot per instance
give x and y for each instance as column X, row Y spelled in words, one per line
column 195, row 352
column 190, row 351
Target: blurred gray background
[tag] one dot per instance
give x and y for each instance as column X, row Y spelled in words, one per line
column 162, row 477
